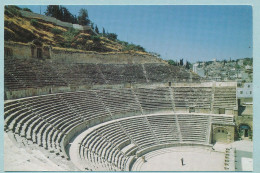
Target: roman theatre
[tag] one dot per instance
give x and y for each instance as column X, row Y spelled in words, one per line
column 74, row 111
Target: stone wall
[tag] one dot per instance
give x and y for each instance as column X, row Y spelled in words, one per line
column 54, row 20
column 206, row 84
column 22, row 50
column 102, row 58
column 26, row 50
column 19, row 50
column 245, row 117
column 223, row 133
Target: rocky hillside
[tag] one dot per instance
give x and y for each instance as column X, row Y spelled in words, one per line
column 26, row 29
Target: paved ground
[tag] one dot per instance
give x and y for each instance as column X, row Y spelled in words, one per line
column 244, row 155
column 22, row 158
column 195, row 159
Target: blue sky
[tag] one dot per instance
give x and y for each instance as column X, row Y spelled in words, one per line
column 194, row 33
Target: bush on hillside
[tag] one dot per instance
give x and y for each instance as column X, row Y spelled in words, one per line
column 71, row 32
column 123, row 43
column 171, row 62
column 111, row 36
column 27, row 9
column 95, row 38
column 69, row 36
column 133, row 47
column 56, row 31
column 34, row 22
column 12, row 10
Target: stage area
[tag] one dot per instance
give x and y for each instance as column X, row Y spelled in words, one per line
column 169, row 159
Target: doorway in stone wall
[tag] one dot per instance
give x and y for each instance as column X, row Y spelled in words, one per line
column 244, row 131
column 39, row 53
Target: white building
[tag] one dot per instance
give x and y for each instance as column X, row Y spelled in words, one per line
column 246, row 91
column 198, row 70
column 248, row 67
column 195, row 67
column 240, row 62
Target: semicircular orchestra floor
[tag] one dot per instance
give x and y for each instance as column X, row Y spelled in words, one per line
column 169, row 159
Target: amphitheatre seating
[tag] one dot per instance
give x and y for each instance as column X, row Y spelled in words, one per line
column 122, row 73
column 158, row 73
column 119, row 101
column 103, row 147
column 199, row 97
column 85, row 104
column 158, row 99
column 193, row 128
column 139, row 131
column 34, row 73
column 165, row 128
column 222, row 119
column 165, row 73
column 50, row 119
column 21, row 72
column 46, row 75
column 11, row 83
column 180, row 74
column 31, row 73
column 44, row 120
column 114, row 134
column 101, row 151
column 12, row 111
column 79, row 73
column 225, row 97
column 54, row 120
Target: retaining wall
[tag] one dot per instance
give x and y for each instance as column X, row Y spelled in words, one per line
column 22, row 50
column 102, row 58
column 54, row 20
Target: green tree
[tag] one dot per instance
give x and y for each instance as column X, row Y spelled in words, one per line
column 12, row 10
column 92, row 25
column 54, row 11
column 111, row 36
column 171, row 62
column 181, row 62
column 237, row 66
column 96, row 29
column 103, row 32
column 27, row 9
column 83, row 17
column 74, row 19
column 188, row 65
column 66, row 15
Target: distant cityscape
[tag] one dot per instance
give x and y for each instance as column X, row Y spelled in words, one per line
column 240, row 70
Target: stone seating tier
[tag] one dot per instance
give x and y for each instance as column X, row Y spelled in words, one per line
column 47, row 121
column 141, row 131
column 154, row 98
column 192, row 97
column 225, row 97
column 33, row 73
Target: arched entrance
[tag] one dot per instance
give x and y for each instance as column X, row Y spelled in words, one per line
column 220, row 135
column 244, row 131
